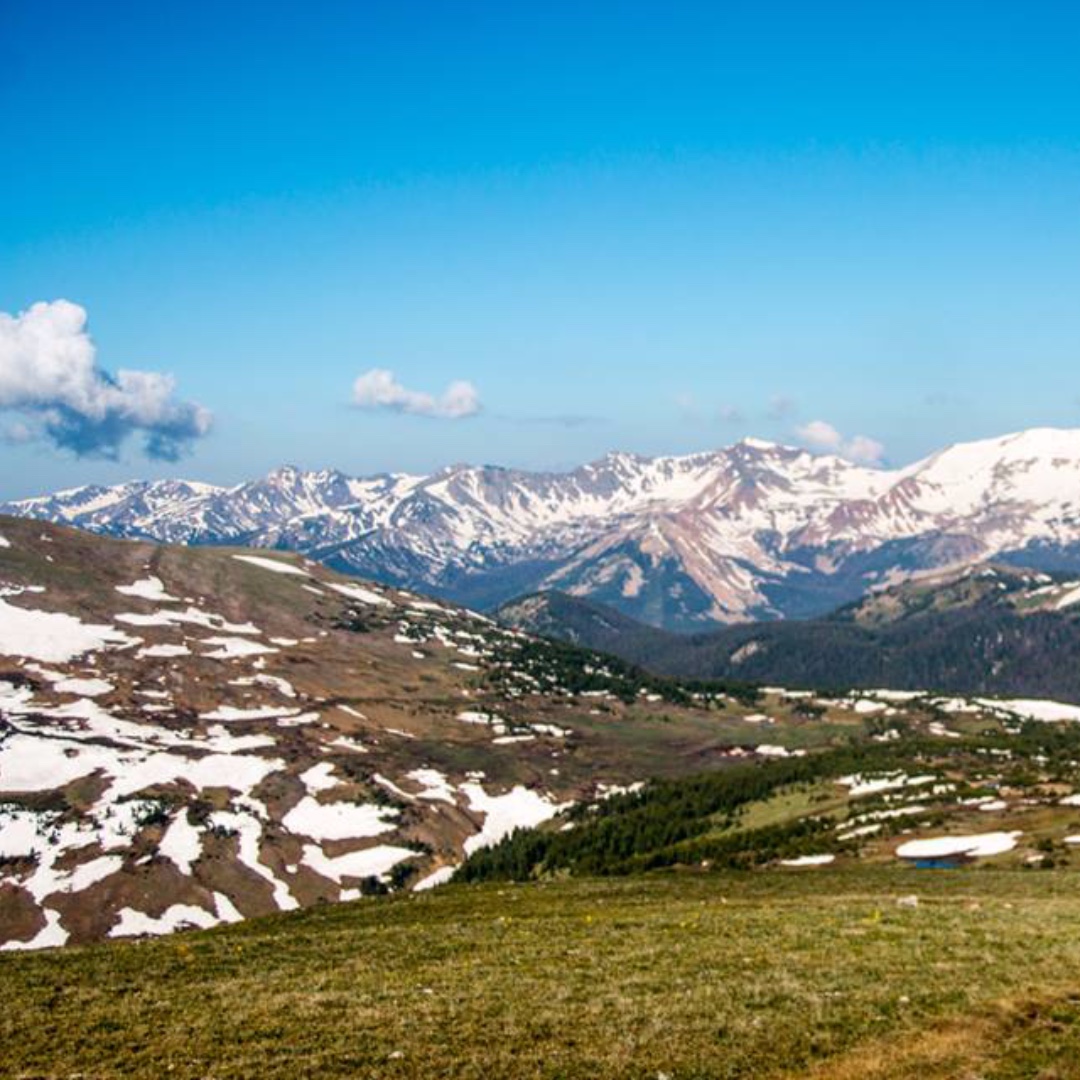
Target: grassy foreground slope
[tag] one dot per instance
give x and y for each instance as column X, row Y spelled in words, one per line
column 819, row 973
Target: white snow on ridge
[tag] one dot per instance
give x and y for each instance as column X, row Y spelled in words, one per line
column 249, row 829
column 132, row 923
column 518, row 808
column 274, row 682
column 193, row 616
column 772, row 750
column 4, row 542
column 260, row 712
column 437, row 787
column 943, row 847
column 358, row 592
column 1032, row 708
column 230, row 648
column 164, row 650
column 867, row 707
column 88, row 687
column 146, row 754
column 181, row 843
column 222, row 741
column 53, row 636
column 1068, row 599
column 371, row 862
column 442, row 876
column 272, row 564
column 472, row 716
column 52, row 934
column 148, row 588
column 338, row 820
column 319, row 778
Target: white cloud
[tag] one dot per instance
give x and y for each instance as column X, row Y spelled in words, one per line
column 49, row 375
column 820, row 435
column 823, row 436
column 863, row 448
column 379, row 389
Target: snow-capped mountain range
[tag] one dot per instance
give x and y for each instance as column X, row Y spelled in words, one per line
column 754, row 530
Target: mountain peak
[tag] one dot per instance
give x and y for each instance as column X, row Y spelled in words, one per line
column 285, row 472
column 753, row 443
column 755, row 530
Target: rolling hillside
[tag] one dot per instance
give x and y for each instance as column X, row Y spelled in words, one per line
column 196, row 735
column 982, row 630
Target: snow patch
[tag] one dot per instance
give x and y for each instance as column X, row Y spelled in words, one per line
column 1033, row 709
column 943, row 847
column 83, row 687
column 192, row 616
column 371, row 862
column 272, row 564
column 518, row 808
column 437, row 787
column 230, row 713
column 53, row 636
column 338, row 820
column 132, row 923
column 181, row 843
column 358, row 592
column 148, row 588
column 230, row 648
column 440, row 877
column 164, row 650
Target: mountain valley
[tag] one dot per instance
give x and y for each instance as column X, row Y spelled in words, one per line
column 984, row 629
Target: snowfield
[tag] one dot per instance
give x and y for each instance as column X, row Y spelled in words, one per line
column 365, row 596
column 338, row 820
column 149, row 588
column 942, row 847
column 1032, row 709
column 518, row 808
column 272, row 564
column 53, row 636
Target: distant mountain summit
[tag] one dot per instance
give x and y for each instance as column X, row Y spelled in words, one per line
column 752, row 531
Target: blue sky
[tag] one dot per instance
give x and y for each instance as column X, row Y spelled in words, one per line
column 651, row 227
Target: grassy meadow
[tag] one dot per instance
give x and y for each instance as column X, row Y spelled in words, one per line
column 831, row 973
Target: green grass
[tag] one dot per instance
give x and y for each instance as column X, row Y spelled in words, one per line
column 792, row 804
column 689, row 975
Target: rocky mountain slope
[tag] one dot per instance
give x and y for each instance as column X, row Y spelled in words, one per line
column 755, row 530
column 196, row 735
column 979, row 630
